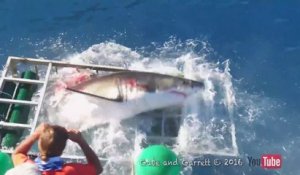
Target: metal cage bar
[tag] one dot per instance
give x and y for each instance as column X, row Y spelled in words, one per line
column 39, row 107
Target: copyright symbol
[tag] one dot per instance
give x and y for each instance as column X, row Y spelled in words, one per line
column 217, row 162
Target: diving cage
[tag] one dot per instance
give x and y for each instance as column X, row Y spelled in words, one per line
column 162, row 124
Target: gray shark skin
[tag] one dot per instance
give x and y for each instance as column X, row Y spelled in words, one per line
column 122, row 86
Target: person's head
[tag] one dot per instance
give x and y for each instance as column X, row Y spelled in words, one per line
column 52, row 141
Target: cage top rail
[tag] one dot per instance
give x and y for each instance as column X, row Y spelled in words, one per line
column 65, row 64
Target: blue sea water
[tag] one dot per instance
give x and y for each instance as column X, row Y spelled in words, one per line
column 260, row 38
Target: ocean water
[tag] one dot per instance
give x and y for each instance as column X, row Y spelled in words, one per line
column 246, row 52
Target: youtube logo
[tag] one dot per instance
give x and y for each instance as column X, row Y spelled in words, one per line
column 271, row 161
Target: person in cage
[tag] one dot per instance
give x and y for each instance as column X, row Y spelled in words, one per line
column 51, row 143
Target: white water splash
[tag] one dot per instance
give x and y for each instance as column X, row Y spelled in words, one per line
column 86, row 112
column 207, row 126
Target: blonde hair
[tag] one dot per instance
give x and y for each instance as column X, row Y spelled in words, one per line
column 52, row 141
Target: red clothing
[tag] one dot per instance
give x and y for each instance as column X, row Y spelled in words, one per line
column 68, row 168
column 74, row 169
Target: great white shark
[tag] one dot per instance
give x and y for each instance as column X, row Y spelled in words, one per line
column 124, row 86
column 91, row 101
